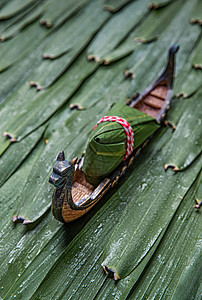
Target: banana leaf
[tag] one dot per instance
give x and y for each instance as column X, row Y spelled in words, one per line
column 114, row 31
column 198, row 193
column 196, row 14
column 192, row 83
column 162, row 277
column 189, row 80
column 156, row 23
column 56, row 14
column 152, row 52
column 64, row 261
column 159, row 3
column 15, row 49
column 21, row 24
column 127, row 250
column 197, row 60
column 115, row 5
column 13, row 7
column 17, row 153
column 45, row 101
column 185, row 145
column 148, row 31
column 64, row 46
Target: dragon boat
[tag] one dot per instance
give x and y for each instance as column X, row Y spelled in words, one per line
column 81, row 182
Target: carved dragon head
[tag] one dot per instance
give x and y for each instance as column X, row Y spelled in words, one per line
column 63, row 172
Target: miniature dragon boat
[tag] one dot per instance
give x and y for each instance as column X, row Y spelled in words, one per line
column 117, row 138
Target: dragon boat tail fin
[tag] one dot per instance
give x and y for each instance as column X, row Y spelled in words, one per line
column 168, row 74
column 156, row 98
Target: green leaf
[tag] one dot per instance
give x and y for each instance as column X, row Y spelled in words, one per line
column 159, row 3
column 56, row 14
column 148, row 31
column 13, row 187
column 45, row 102
column 189, row 280
column 15, row 49
column 17, row 153
column 116, row 29
column 191, row 84
column 172, row 260
column 189, row 80
column 139, row 230
column 5, row 143
column 197, row 60
column 10, row 84
column 153, row 55
column 64, row 261
column 185, row 146
column 21, row 24
column 82, row 259
column 115, row 5
column 196, row 14
column 67, row 42
column 14, row 7
column 156, row 23
column 198, row 194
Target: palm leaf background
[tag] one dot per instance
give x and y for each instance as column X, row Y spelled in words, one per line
column 147, row 227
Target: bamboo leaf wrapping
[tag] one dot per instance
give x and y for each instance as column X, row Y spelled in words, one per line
column 107, row 146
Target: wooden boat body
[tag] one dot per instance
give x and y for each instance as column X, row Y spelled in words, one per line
column 74, row 196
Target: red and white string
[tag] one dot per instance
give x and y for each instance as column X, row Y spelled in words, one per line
column 128, row 129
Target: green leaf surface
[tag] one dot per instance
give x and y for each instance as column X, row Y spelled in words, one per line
column 155, row 4
column 64, row 45
column 197, row 59
column 5, row 143
column 10, row 197
column 13, row 7
column 51, row 260
column 12, row 83
column 156, row 22
column 149, row 30
column 145, row 230
column 191, row 84
column 17, row 153
column 198, row 194
column 189, row 281
column 21, row 24
column 154, row 54
column 189, row 79
column 171, row 265
column 44, row 104
column 196, row 15
column 70, row 34
column 115, row 5
column 116, row 29
column 185, row 144
column 15, row 49
column 56, row 13
column 86, row 261
column 5, row 24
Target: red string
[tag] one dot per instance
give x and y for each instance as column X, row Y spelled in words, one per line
column 128, row 129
